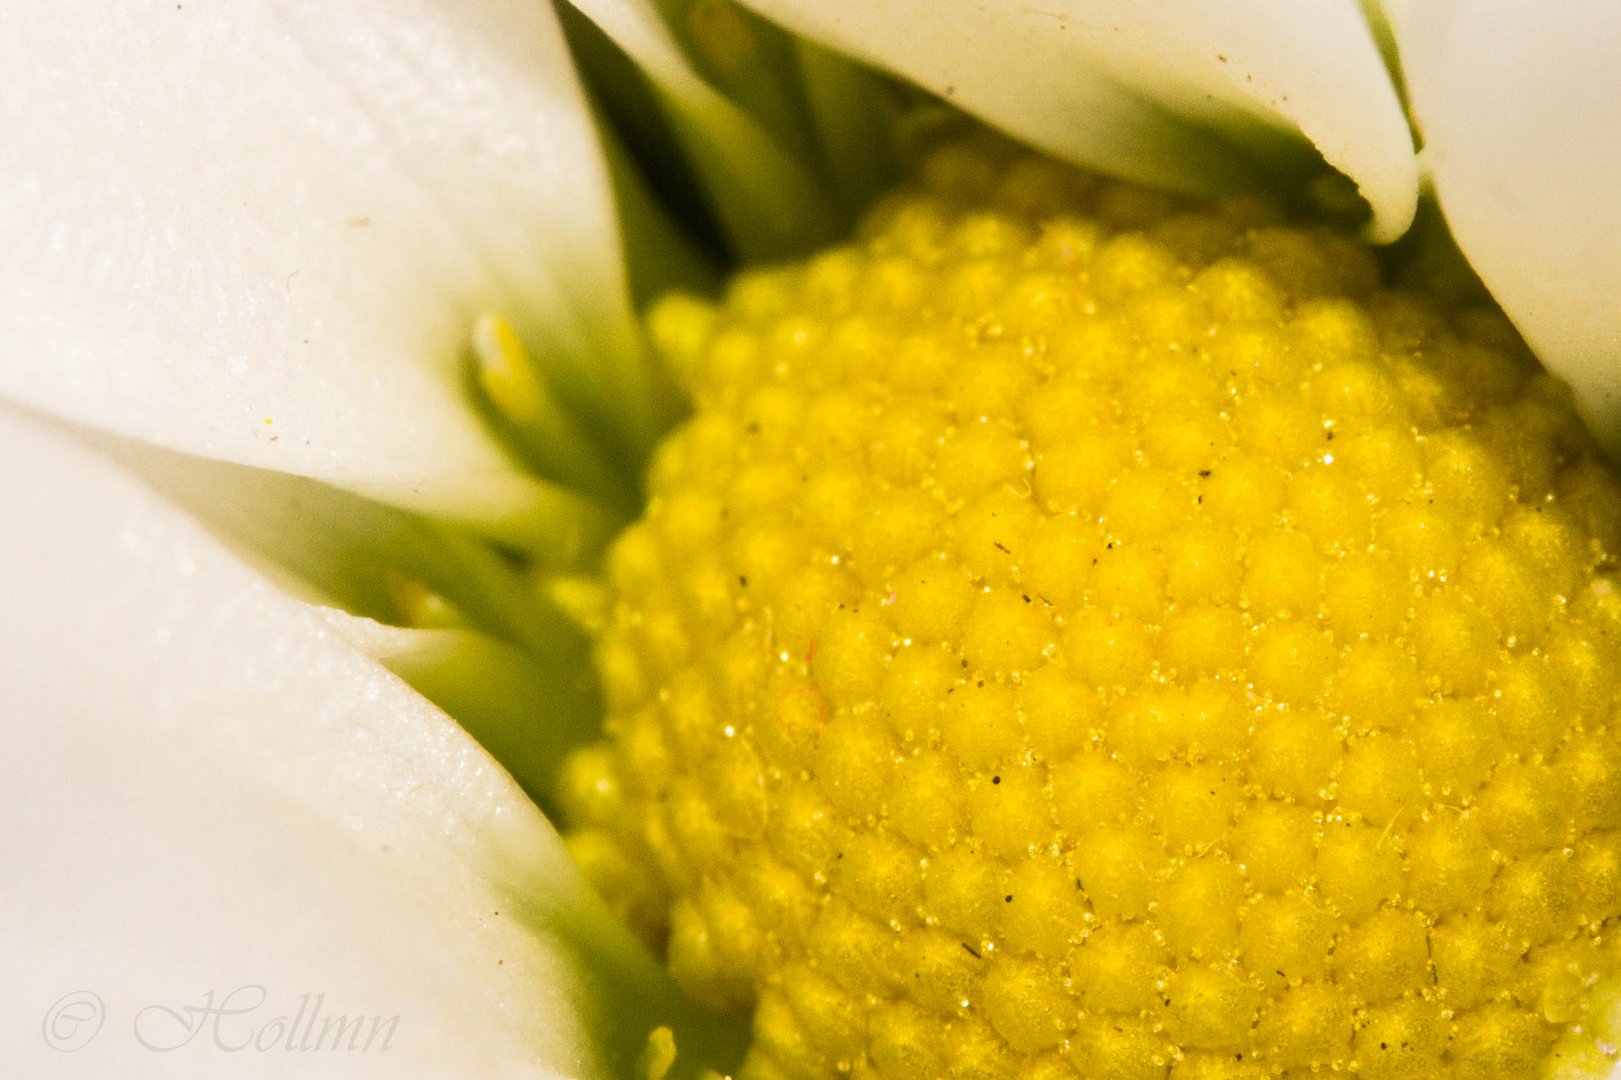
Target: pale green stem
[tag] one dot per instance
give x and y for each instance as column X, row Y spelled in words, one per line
column 855, row 112
column 759, row 179
column 520, row 403
column 365, row 557
column 664, row 258
column 623, row 995
column 750, row 61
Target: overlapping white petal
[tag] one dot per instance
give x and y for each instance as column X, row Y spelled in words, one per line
column 1520, row 110
column 1168, row 92
column 261, row 231
column 208, row 789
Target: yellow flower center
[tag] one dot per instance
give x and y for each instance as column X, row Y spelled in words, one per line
column 1082, row 634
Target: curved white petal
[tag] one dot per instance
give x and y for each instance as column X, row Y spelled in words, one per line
column 261, row 231
column 1518, row 106
column 207, row 790
column 527, row 712
column 1142, row 88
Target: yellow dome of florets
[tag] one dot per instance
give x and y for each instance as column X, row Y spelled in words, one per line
column 1080, row 635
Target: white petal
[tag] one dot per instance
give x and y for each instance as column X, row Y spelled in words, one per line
column 1144, row 88
column 1517, row 104
column 261, row 231
column 208, row 790
column 524, row 711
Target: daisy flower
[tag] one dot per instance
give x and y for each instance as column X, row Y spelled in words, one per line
column 1009, row 540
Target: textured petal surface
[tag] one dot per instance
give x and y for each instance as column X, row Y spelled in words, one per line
column 261, row 231
column 1518, row 104
column 1165, row 91
column 208, row 790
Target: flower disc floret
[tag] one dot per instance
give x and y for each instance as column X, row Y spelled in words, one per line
column 1084, row 634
